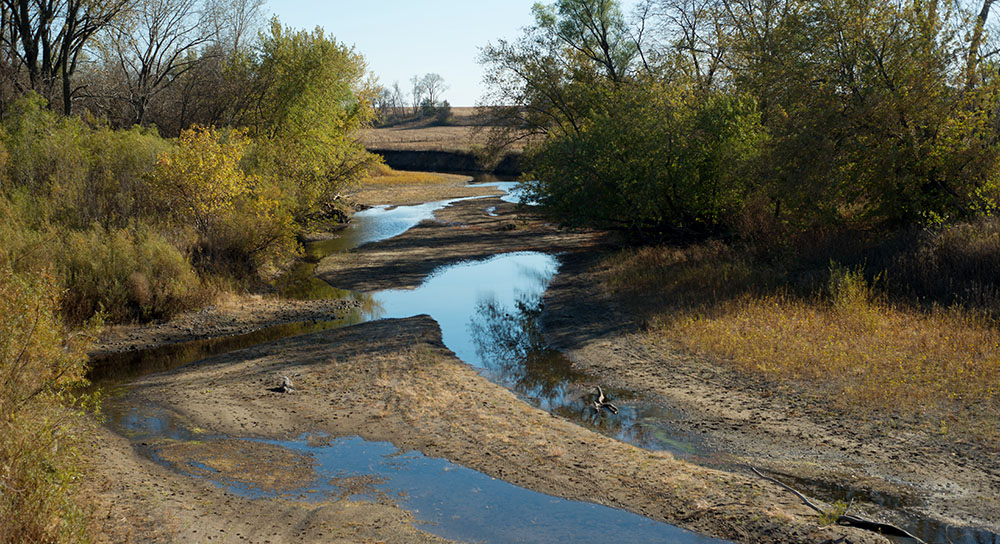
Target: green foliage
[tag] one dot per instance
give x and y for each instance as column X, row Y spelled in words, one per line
column 775, row 117
column 40, row 363
column 313, row 98
column 868, row 123
column 651, row 157
column 77, row 174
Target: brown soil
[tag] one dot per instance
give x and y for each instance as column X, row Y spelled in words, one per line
column 394, row 381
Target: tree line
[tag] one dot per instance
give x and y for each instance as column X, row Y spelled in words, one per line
column 750, row 115
column 424, row 99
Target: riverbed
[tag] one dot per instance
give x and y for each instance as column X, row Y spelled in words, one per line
column 474, row 384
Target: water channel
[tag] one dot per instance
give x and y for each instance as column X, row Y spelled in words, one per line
column 488, row 312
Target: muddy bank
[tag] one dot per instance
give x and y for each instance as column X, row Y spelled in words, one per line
column 787, row 430
column 460, row 232
column 233, row 315
column 448, row 161
column 394, row 381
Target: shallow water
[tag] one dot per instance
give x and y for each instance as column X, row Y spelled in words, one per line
column 452, row 501
column 488, row 313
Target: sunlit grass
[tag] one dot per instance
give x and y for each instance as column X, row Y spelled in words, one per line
column 842, row 340
column 385, row 176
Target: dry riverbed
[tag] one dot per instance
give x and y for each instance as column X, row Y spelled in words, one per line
column 394, row 381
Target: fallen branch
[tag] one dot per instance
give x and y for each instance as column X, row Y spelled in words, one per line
column 844, row 519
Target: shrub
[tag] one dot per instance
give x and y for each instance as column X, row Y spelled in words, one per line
column 126, row 274
column 241, row 222
column 650, row 159
column 40, row 363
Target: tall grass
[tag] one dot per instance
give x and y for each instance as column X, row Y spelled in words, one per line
column 841, row 331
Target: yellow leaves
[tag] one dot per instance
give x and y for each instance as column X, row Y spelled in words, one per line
column 202, row 178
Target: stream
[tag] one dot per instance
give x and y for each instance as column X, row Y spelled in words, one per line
column 488, row 312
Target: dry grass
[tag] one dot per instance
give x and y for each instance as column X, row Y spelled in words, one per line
column 466, row 132
column 435, row 138
column 384, row 176
column 843, row 340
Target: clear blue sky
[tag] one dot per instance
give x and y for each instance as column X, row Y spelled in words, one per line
column 402, row 38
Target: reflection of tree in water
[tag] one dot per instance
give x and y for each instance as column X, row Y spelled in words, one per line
column 512, row 348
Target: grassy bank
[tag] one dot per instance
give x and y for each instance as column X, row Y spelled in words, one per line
column 887, row 337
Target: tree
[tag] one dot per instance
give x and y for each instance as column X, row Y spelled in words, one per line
column 312, row 96
column 48, row 38
column 149, row 46
column 416, row 93
column 233, row 21
column 433, row 86
column 594, row 28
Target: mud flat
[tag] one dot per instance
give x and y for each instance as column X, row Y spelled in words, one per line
column 394, row 381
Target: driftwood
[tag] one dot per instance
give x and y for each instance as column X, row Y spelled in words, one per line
column 845, row 519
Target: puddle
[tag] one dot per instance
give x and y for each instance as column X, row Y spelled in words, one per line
column 452, row 501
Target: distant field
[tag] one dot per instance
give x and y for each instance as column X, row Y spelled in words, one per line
column 466, row 131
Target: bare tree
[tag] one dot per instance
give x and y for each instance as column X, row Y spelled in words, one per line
column 975, row 44
column 434, row 87
column 397, row 99
column 416, row 93
column 234, row 21
column 692, row 29
column 149, row 48
column 48, row 37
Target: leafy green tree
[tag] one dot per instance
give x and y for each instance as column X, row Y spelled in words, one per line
column 656, row 159
column 312, row 97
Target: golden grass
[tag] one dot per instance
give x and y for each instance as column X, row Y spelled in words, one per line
column 863, row 354
column 385, row 176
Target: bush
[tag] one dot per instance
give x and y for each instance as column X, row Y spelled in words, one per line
column 126, row 274
column 40, row 363
column 651, row 159
column 240, row 222
column 77, row 174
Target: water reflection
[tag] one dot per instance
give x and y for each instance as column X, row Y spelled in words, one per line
column 453, row 501
column 513, row 353
column 121, row 367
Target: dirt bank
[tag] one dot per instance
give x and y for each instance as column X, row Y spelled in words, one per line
column 787, row 430
column 460, row 232
column 394, row 381
column 231, row 315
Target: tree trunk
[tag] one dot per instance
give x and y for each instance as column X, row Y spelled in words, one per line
column 977, row 38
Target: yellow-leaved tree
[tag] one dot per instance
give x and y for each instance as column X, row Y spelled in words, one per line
column 231, row 218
